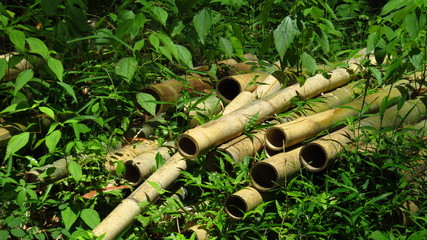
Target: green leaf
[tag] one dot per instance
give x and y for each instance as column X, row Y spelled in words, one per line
column 139, row 45
column 202, row 23
column 69, row 90
column 90, row 217
column 18, row 232
column 37, row 46
column 56, row 67
column 3, row 68
column 184, row 56
column 377, row 74
column 308, row 62
column 18, row 39
column 16, row 143
column 127, row 68
column 393, row 5
column 75, row 170
column 226, row 47
column 412, row 25
column 4, row 234
column 422, row 234
column 372, row 41
column 154, row 41
column 23, row 79
column 69, row 217
column 238, row 48
column 47, row 111
column 147, row 102
column 160, row 14
column 284, row 35
column 52, row 140
column 378, row 235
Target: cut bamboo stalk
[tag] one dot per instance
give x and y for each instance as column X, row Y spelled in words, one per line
column 319, row 154
column 126, row 153
column 242, row 201
column 123, row 215
column 244, row 67
column 204, row 106
column 269, row 85
column 169, row 91
column 291, row 133
column 276, row 170
column 145, row 129
column 239, row 101
column 243, row 146
column 229, row 87
column 199, row 230
column 200, row 139
column 8, row 131
column 143, row 165
column 55, row 171
column 12, row 72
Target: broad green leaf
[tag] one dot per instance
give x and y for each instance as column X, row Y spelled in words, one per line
column 373, row 39
column 393, row 5
column 4, row 234
column 147, row 102
column 417, row 58
column 18, row 39
column 308, row 62
column 412, row 25
column 377, row 74
column 3, row 68
column 421, row 234
column 284, row 35
column 177, row 29
column 56, row 67
column 75, row 170
column 52, row 140
column 184, row 56
column 37, row 46
column 139, row 45
column 238, row 48
column 47, row 111
column 202, row 23
column 378, row 235
column 154, row 41
column 69, row 217
column 16, row 143
column 18, row 232
column 127, row 68
column 23, row 79
column 69, row 90
column 90, row 217
column 160, row 14
column 226, row 47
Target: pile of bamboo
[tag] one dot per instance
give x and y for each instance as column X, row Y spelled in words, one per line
column 249, row 96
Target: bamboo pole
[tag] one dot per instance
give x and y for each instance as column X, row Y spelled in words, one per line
column 243, row 98
column 200, row 139
column 243, row 145
column 169, row 91
column 55, row 171
column 319, row 154
column 12, row 72
column 205, row 106
column 199, row 230
column 126, row 153
column 145, row 129
column 143, row 165
column 291, row 133
column 229, row 87
column 278, row 169
column 242, row 201
column 8, row 131
column 123, row 215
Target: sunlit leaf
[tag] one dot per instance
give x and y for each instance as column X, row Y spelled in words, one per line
column 16, row 143
column 52, row 140
column 202, row 23
column 37, row 46
column 90, row 217
column 18, row 39
column 160, row 14
column 69, row 217
column 56, row 67
column 147, row 102
column 75, row 170
column 284, row 35
column 127, row 67
column 308, row 62
column 226, row 47
column 69, row 89
column 23, row 79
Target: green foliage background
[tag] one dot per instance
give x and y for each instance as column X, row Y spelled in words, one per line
column 89, row 59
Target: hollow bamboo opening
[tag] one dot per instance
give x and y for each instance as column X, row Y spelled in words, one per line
column 187, row 146
column 275, row 139
column 132, row 173
column 264, row 176
column 313, row 157
column 236, row 207
column 228, row 88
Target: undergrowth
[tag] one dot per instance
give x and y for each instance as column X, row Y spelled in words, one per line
column 91, row 58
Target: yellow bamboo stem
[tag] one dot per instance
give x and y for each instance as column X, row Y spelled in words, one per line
column 242, row 201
